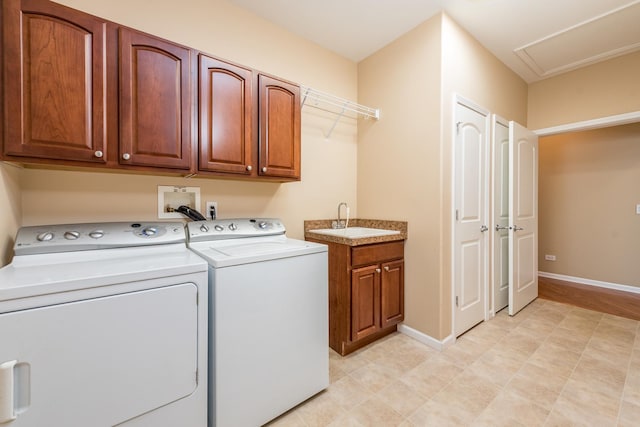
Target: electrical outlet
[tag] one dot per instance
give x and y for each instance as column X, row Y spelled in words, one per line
column 211, row 210
column 549, row 257
column 638, row 209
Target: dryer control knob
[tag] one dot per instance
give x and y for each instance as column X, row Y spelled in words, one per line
column 97, row 234
column 204, row 228
column 71, row 235
column 218, row 227
column 233, row 227
column 262, row 224
column 45, row 237
column 150, row 231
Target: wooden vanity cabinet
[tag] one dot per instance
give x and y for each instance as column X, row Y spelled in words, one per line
column 366, row 293
column 54, row 87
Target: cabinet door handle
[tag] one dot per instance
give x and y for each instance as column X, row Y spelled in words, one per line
column 249, row 168
column 98, row 154
column 377, row 270
column 126, row 156
column 264, row 169
column 386, row 268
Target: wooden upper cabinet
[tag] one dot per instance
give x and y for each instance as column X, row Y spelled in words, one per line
column 155, row 101
column 279, row 121
column 54, row 82
column 225, row 117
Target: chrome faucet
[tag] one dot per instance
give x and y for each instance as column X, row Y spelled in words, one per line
column 340, row 223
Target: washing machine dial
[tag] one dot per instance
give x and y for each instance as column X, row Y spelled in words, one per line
column 71, row 235
column 233, row 227
column 262, row 225
column 45, row 237
column 218, row 227
column 204, row 228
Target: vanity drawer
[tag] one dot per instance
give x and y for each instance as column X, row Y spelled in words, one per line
column 376, row 252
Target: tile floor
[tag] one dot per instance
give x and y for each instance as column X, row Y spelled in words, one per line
column 550, row 365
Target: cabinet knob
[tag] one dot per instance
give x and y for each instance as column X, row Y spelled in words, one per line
column 126, row 156
column 249, row 168
column 386, row 268
column 377, row 270
column 264, row 169
column 98, row 154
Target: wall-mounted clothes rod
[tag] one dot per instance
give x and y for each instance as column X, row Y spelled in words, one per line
column 336, row 105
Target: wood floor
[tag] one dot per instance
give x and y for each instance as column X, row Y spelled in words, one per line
column 619, row 303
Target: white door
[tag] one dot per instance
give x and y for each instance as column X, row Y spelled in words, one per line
column 523, row 214
column 470, row 223
column 500, row 215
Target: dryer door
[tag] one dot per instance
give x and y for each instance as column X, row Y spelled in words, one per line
column 101, row 361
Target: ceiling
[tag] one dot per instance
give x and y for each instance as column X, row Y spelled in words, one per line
column 535, row 38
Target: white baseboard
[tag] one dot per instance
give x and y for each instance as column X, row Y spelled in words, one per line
column 426, row 339
column 596, row 283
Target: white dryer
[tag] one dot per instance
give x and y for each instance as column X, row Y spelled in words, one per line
column 268, row 311
column 103, row 325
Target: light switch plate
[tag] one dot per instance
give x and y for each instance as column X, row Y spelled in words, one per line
column 638, row 209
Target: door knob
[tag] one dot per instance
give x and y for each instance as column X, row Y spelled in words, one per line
column 516, row 228
column 498, row 228
column 483, row 228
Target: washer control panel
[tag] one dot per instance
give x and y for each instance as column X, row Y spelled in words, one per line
column 220, row 229
column 42, row 239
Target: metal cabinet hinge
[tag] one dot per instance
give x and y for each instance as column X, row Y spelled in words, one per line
column 456, row 301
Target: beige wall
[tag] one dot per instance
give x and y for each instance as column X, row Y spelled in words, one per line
column 11, row 209
column 600, row 90
column 399, row 158
column 589, row 188
column 217, row 27
column 404, row 161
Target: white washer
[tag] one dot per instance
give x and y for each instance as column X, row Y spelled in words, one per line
column 102, row 325
column 268, row 311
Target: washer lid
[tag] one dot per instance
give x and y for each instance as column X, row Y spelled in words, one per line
column 226, row 253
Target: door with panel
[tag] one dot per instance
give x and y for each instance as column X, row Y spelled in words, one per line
column 470, row 269
column 155, row 101
column 55, row 82
column 500, row 214
column 523, row 214
column 365, row 301
column 279, row 131
column 225, row 115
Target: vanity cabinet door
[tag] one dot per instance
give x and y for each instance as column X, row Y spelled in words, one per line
column 54, row 88
column 365, row 301
column 392, row 293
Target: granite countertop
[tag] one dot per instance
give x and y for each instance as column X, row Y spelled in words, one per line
column 400, row 226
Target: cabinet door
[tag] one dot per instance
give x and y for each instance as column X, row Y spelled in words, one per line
column 54, row 82
column 365, row 301
column 225, row 117
column 279, row 147
column 392, row 294
column 155, row 101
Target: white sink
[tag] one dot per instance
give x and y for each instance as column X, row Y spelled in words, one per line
column 355, row 232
